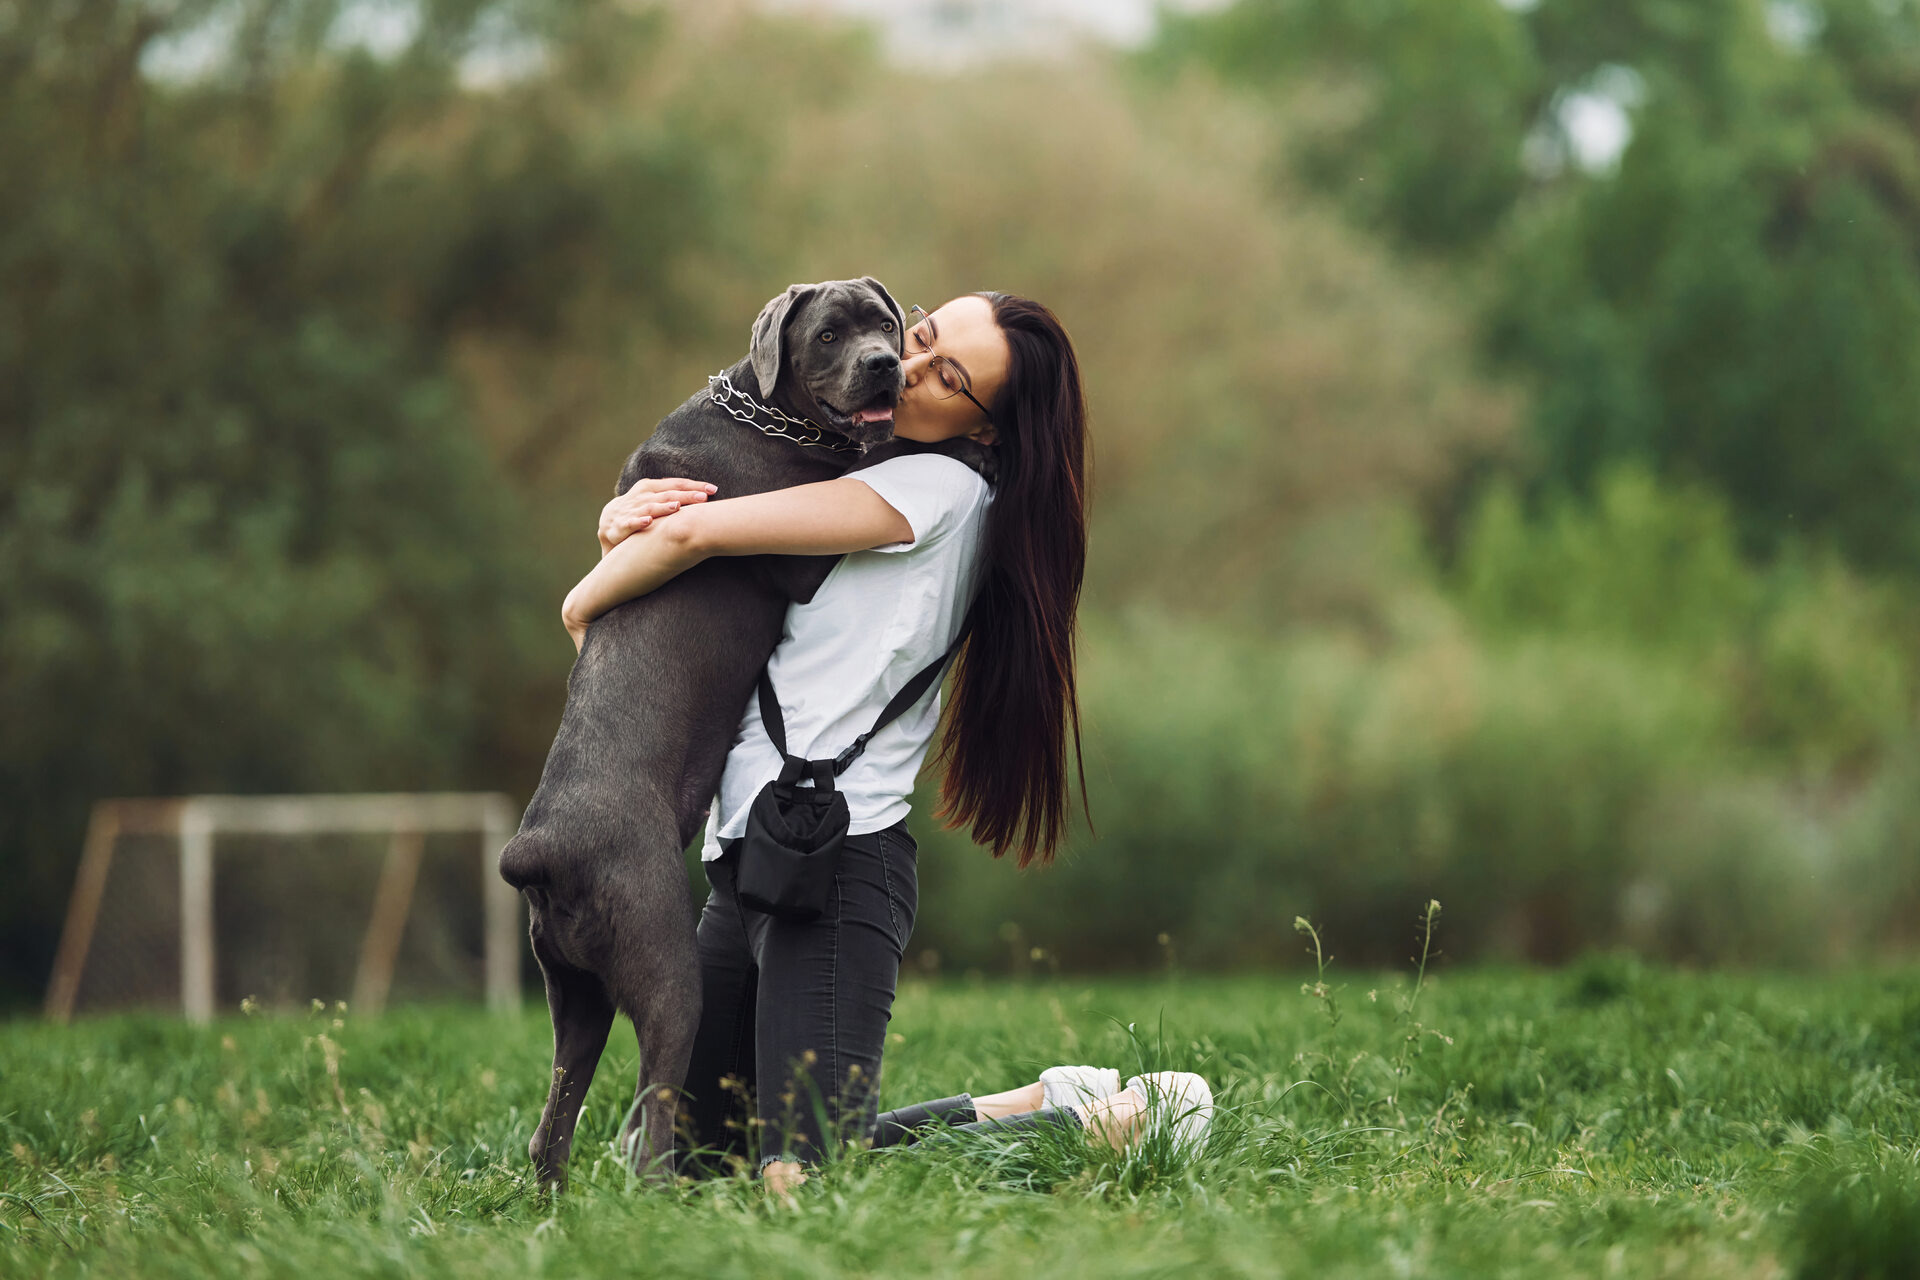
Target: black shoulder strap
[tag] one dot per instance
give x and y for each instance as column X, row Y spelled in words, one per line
column 910, row 693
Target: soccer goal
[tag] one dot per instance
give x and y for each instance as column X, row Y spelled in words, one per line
column 200, row 902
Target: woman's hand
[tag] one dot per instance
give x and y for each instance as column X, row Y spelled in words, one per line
column 642, row 562
column 645, row 502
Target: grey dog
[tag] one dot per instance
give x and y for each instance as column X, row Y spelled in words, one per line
column 652, row 704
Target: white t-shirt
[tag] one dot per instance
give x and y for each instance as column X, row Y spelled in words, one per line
column 878, row 619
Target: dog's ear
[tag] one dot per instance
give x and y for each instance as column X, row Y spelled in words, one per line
column 765, row 350
column 899, row 316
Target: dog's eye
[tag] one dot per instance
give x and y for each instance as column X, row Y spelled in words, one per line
column 826, row 335
column 886, row 326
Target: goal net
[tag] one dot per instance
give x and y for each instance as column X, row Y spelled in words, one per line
column 199, row 902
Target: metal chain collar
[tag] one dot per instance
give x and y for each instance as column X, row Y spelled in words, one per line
column 802, row 431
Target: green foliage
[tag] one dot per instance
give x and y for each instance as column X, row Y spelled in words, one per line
column 1627, row 735
column 1875, row 850
column 1643, row 565
column 1717, row 314
column 1428, row 147
column 1819, row 661
column 250, row 537
column 1681, row 1125
column 1236, row 781
column 1738, row 305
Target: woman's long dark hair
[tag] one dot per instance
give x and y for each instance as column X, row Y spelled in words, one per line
column 1014, row 701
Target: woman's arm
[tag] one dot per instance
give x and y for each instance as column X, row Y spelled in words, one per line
column 824, row 519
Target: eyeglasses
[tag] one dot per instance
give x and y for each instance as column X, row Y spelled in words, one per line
column 949, row 379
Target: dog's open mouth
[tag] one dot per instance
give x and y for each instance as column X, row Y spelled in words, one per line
column 861, row 422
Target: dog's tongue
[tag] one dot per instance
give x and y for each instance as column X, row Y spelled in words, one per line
column 873, row 415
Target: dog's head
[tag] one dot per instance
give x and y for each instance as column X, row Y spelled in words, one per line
column 834, row 348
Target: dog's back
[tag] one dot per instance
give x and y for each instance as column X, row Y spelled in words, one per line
column 661, row 681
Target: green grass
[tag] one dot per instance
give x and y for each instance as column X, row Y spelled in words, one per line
column 1607, row 1120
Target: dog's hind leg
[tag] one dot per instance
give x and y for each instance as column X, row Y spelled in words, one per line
column 656, row 982
column 665, row 1030
column 582, row 1016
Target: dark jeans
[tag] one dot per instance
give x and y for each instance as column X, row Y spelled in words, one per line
column 905, row 1126
column 794, row 1015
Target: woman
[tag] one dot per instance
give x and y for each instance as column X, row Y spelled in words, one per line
column 932, row 552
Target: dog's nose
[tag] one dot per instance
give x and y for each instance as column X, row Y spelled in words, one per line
column 880, row 362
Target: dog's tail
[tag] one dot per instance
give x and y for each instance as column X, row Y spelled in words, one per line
column 524, row 862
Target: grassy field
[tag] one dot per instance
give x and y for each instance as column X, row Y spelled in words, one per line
column 1604, row 1121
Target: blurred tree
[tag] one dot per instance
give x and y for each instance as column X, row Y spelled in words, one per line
column 1738, row 304
column 1736, row 317
column 1421, row 105
column 249, row 537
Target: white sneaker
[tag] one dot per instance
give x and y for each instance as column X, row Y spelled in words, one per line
column 1180, row 1099
column 1078, row 1086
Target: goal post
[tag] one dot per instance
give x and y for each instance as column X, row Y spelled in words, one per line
column 195, row 823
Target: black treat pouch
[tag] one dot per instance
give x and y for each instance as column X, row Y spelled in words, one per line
column 792, row 844
column 795, row 833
